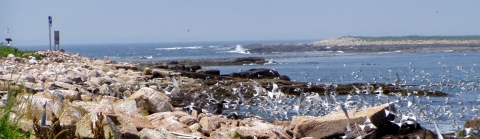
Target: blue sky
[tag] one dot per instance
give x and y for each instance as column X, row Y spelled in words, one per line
column 121, row 21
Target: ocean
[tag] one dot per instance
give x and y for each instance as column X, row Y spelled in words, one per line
column 455, row 73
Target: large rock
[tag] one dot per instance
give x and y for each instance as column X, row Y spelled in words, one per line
column 129, row 131
column 62, row 85
column 258, row 74
column 110, row 74
column 125, row 107
column 177, row 67
column 212, row 123
column 97, row 81
column 94, row 107
column 85, row 131
column 70, row 95
column 25, row 124
column 475, row 123
column 75, row 73
column 30, row 79
column 260, row 130
column 209, row 71
column 158, row 133
column 170, row 121
column 136, row 119
column 127, row 114
column 157, row 74
column 35, row 106
column 248, row 60
column 71, row 115
column 155, row 101
column 93, row 73
column 193, row 68
column 334, row 124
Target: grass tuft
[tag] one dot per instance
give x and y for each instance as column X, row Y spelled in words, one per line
column 9, row 128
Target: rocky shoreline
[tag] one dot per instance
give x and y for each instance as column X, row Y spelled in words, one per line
column 140, row 100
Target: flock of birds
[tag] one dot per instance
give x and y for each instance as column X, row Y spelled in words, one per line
column 412, row 108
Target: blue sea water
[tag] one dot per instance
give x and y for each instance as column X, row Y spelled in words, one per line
column 455, row 73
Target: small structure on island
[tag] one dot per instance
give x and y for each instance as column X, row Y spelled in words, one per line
column 8, row 41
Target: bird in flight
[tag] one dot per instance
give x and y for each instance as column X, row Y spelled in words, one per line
column 8, row 30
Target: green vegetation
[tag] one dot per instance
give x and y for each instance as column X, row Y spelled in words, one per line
column 415, row 37
column 9, row 127
column 5, row 50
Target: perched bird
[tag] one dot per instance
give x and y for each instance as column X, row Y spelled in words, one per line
column 176, row 89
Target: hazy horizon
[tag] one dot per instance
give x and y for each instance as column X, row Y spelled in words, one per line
column 104, row 22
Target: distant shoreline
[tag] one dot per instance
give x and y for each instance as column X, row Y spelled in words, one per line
column 358, row 44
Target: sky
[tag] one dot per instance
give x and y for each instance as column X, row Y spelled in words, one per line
column 147, row 21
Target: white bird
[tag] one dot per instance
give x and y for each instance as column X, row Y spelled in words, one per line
column 369, row 123
column 176, row 89
column 258, row 89
column 343, row 107
column 349, row 129
column 387, row 112
column 274, row 93
column 439, row 134
column 468, row 132
column 378, row 91
column 349, row 132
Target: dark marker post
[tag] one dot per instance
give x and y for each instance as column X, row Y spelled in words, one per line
column 50, row 31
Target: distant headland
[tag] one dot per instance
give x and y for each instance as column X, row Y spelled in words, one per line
column 360, row 44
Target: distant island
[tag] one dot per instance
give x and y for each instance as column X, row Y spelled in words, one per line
column 361, row 44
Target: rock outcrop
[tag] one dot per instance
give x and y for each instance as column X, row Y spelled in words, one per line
column 335, row 124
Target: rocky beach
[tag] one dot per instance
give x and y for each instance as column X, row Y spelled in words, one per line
column 160, row 100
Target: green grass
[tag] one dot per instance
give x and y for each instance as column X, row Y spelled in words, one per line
column 415, row 37
column 9, row 128
column 5, row 50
